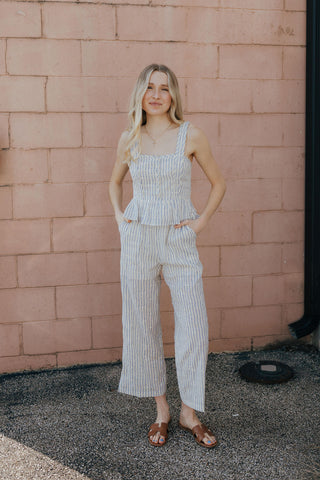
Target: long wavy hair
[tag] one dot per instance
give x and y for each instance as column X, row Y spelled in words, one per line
column 138, row 117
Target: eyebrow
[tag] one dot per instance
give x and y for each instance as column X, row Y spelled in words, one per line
column 162, row 84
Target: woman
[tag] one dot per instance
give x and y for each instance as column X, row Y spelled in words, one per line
column 158, row 232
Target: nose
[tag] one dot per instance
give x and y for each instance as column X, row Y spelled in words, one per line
column 155, row 93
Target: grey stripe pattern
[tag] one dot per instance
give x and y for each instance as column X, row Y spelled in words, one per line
column 146, row 250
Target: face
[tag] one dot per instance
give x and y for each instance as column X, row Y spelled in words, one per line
column 157, row 99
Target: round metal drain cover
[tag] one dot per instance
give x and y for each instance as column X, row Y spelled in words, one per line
column 266, row 371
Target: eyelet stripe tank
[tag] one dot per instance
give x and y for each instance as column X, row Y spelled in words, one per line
column 162, row 187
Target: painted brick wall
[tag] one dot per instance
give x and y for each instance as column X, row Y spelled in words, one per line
column 66, row 70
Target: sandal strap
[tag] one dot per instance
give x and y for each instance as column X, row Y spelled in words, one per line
column 155, row 428
column 200, row 430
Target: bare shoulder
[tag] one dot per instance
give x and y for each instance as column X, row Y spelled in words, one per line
column 197, row 139
column 123, row 141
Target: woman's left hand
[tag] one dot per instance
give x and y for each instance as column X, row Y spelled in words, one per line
column 196, row 225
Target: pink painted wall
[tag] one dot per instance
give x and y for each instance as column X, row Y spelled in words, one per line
column 66, row 70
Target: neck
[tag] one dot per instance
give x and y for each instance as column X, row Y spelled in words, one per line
column 157, row 122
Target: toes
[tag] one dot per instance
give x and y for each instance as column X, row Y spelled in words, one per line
column 208, row 440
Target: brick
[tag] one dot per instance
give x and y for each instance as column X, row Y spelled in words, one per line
column 130, row 57
column 223, row 292
column 279, row 28
column 2, row 56
column 23, row 166
column 253, row 4
column 97, row 200
column 187, row 3
column 230, row 345
column 279, row 96
column 278, row 289
column 250, row 259
column 152, row 23
column 219, row 95
column 52, row 269
column 24, row 236
column 270, row 340
column 26, row 304
column 4, row 130
column 103, row 129
column 293, row 191
column 219, row 26
column 81, row 164
column 255, row 130
column 8, row 276
column 48, row 200
column 79, row 21
column 278, row 227
column 278, row 162
column 294, row 62
column 251, row 321
column 291, row 313
column 43, row 56
column 214, row 322
column 108, row 355
column 74, row 234
column 209, row 257
column 294, row 130
column 209, row 123
column 18, row 94
column 9, row 340
column 250, row 61
column 87, row 94
column 234, row 162
column 5, row 202
column 104, row 267
column 239, row 195
column 294, row 287
column 293, row 257
column 227, row 228
column 234, row 26
column 20, row 19
column 88, row 300
column 26, row 363
column 56, row 336
column 107, row 332
column 238, row 162
column 268, row 290
column 295, row 5
column 50, row 130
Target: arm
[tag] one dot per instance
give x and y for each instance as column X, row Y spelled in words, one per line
column 198, row 146
column 118, row 173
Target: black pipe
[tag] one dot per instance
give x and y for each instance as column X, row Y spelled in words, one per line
column 311, row 318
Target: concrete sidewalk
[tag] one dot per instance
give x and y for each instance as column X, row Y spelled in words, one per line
column 72, row 424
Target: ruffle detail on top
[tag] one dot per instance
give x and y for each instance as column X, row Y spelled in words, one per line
column 160, row 212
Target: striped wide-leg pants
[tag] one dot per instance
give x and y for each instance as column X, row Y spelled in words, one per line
column 145, row 250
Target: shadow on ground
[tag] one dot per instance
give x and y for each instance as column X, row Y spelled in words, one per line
column 73, row 424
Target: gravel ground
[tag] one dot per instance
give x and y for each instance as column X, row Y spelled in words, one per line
column 73, row 425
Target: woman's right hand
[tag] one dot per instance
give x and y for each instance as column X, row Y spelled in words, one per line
column 120, row 218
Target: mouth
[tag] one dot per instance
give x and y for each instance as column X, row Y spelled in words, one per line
column 154, row 104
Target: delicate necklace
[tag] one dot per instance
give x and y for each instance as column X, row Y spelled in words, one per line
column 155, row 140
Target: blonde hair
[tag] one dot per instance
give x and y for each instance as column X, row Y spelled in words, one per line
column 138, row 117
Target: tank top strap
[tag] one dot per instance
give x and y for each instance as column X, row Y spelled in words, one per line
column 181, row 140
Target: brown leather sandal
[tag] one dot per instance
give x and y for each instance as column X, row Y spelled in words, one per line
column 199, row 432
column 162, row 429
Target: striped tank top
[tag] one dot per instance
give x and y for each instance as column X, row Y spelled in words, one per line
column 162, row 187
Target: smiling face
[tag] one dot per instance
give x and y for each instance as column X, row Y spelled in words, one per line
column 157, row 99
